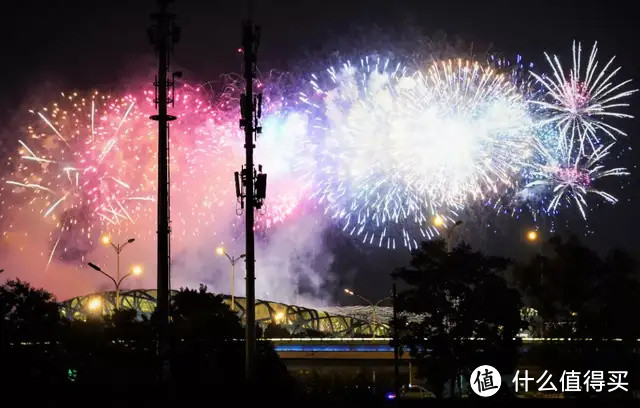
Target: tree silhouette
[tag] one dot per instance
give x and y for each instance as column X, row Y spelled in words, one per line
column 460, row 295
column 208, row 349
column 610, row 311
column 581, row 295
column 577, row 293
column 275, row 331
column 30, row 314
column 115, row 352
column 198, row 314
column 30, row 325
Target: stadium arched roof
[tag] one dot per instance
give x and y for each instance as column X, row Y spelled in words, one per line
column 297, row 319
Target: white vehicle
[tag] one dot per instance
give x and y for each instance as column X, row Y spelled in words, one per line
column 413, row 391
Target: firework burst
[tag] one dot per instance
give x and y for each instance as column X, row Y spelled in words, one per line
column 580, row 103
column 396, row 148
column 354, row 173
column 79, row 171
column 382, row 149
column 279, row 145
column 201, row 160
column 473, row 130
column 570, row 179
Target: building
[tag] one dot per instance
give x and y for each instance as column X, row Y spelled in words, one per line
column 299, row 321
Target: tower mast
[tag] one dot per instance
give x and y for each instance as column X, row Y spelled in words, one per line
column 163, row 34
column 254, row 183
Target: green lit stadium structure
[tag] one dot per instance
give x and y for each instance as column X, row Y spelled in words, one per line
column 299, row 321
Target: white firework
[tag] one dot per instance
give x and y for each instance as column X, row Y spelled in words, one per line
column 466, row 133
column 396, row 148
column 580, row 103
column 571, row 179
column 353, row 112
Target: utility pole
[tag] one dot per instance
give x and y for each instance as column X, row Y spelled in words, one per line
column 250, row 185
column 396, row 341
column 163, row 34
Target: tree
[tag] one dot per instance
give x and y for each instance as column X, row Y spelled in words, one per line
column 275, row 331
column 199, row 315
column 582, row 295
column 205, row 347
column 208, row 349
column 608, row 311
column 577, row 293
column 30, row 325
column 116, row 352
column 29, row 314
column 460, row 295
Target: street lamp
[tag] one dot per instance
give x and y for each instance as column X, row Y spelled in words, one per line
column 233, row 260
column 373, row 306
column 106, row 240
column 439, row 221
column 95, row 304
column 533, row 237
column 135, row 270
column 279, row 317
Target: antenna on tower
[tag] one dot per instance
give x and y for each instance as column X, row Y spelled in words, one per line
column 163, row 34
column 250, row 185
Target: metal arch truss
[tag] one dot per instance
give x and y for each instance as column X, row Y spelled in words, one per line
column 299, row 321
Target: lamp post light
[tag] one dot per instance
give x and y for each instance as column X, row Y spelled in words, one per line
column 95, row 304
column 279, row 317
column 136, row 270
column 440, row 222
column 533, row 237
column 106, row 240
column 233, row 260
column 373, row 306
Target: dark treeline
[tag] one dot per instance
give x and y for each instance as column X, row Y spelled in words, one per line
column 115, row 356
column 472, row 308
column 578, row 293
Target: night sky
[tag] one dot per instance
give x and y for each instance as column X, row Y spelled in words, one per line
column 56, row 45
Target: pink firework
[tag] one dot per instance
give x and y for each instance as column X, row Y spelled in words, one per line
column 80, row 170
column 201, row 161
column 573, row 176
column 277, row 148
column 580, row 102
column 576, row 95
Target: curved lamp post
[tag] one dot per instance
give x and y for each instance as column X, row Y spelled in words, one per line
column 135, row 270
column 373, row 306
column 106, row 240
column 232, row 260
